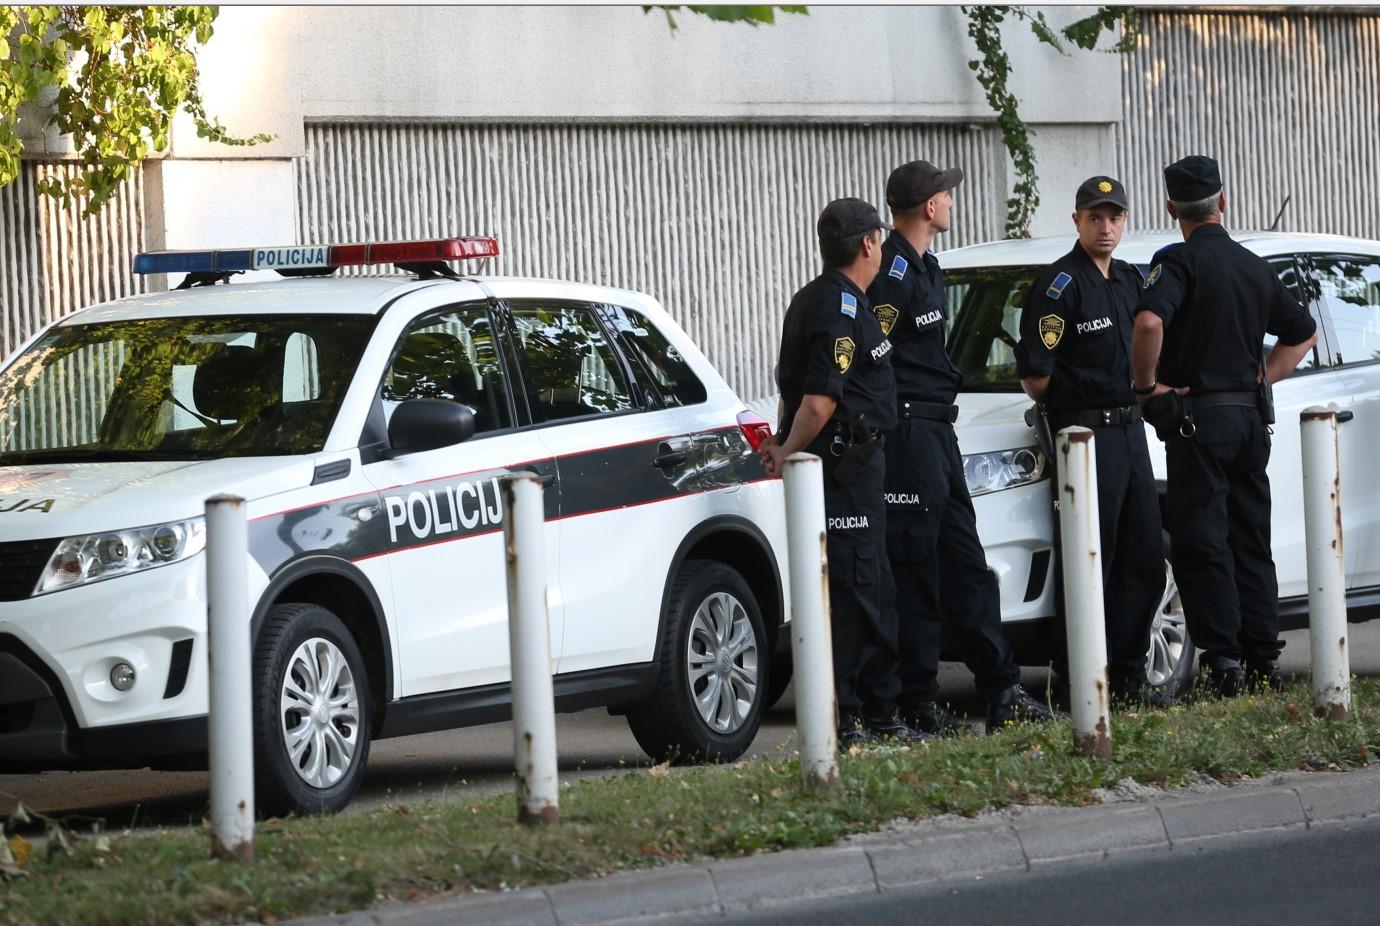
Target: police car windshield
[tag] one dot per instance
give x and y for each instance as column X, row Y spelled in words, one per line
column 984, row 324
column 179, row 388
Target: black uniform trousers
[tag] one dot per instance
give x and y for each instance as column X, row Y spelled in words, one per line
column 1132, row 550
column 941, row 574
column 861, row 591
column 1218, row 513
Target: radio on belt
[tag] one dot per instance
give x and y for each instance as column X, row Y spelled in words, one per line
column 213, row 266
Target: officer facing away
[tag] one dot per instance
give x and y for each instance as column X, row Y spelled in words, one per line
column 1074, row 357
column 1203, row 379
column 838, row 396
column 938, row 562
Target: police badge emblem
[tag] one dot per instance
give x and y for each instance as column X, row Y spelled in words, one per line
column 887, row 315
column 1051, row 330
column 843, row 353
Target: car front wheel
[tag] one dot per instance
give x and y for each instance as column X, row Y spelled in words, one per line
column 1169, row 662
column 311, row 712
column 712, row 670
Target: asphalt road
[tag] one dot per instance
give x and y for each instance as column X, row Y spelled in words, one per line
column 1325, row 875
column 478, row 760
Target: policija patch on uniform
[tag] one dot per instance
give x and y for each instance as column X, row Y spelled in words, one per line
column 1051, row 331
column 887, row 315
column 843, row 353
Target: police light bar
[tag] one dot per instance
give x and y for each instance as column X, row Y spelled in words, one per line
column 315, row 256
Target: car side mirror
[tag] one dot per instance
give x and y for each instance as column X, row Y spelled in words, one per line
column 427, row 424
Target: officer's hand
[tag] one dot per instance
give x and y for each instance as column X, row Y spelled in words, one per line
column 773, row 457
column 1161, row 389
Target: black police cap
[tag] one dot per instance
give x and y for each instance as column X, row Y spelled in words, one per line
column 844, row 218
column 913, row 184
column 1192, row 178
column 1099, row 191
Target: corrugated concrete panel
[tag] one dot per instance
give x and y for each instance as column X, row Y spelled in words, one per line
column 716, row 221
column 1287, row 102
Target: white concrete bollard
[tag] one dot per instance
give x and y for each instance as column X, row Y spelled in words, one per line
column 230, row 725
column 529, row 646
column 812, row 647
column 1322, row 528
column 1081, row 539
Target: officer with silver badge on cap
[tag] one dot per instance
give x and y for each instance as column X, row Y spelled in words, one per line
column 1203, row 380
column 838, row 397
column 1074, row 358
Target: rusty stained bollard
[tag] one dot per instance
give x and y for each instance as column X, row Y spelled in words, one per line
column 812, row 648
column 1322, row 529
column 1081, row 536
column 230, row 726
column 529, row 646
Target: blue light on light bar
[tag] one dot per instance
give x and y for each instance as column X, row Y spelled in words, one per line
column 194, row 261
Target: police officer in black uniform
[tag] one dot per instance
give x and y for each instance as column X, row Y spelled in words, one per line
column 838, row 397
column 1074, row 357
column 1202, row 376
column 941, row 571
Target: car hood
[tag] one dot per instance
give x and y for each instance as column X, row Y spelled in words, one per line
column 987, row 421
column 61, row 500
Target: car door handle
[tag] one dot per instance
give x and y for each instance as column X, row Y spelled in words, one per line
column 669, row 454
column 1345, row 415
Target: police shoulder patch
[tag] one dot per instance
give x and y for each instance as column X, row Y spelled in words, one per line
column 886, row 315
column 843, row 353
column 849, row 305
column 1056, row 286
column 1153, row 276
column 898, row 267
column 1051, row 331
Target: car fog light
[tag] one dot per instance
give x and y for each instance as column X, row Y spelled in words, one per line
column 122, row 676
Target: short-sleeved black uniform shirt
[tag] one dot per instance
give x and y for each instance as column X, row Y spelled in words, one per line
column 1076, row 329
column 908, row 300
column 1217, row 301
column 832, row 344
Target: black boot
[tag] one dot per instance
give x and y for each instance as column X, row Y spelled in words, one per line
column 886, row 721
column 1264, row 674
column 1132, row 693
column 1221, row 677
column 853, row 731
column 1015, row 705
column 929, row 717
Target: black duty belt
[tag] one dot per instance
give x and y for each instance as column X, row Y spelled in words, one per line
column 935, row 411
column 841, row 431
column 1194, row 402
column 1095, row 417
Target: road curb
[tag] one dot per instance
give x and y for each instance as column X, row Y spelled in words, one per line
column 1018, row 839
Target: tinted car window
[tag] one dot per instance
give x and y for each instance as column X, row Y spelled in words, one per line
column 570, row 367
column 1289, row 275
column 1350, row 290
column 452, row 356
column 660, row 370
column 984, row 324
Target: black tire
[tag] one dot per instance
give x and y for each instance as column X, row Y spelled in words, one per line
column 668, row 725
column 779, row 678
column 279, row 788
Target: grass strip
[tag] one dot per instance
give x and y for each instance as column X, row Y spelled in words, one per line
column 642, row 820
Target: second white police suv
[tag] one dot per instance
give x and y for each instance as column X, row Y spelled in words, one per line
column 367, row 422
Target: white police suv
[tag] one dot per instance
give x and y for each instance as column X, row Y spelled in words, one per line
column 367, row 420
column 1337, row 279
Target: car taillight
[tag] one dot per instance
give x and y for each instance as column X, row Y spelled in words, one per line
column 755, row 429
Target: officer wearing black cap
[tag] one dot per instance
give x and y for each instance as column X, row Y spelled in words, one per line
column 941, row 571
column 1074, row 357
column 838, row 397
column 1203, row 379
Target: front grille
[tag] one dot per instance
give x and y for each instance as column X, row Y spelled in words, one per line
column 21, row 563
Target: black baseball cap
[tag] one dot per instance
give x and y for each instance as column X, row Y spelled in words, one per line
column 1192, row 178
column 1099, row 191
column 913, row 184
column 844, row 218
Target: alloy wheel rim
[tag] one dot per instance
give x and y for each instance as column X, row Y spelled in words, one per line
column 318, row 708
column 721, row 662
column 1167, row 634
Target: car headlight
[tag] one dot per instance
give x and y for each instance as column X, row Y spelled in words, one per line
column 1004, row 469
column 80, row 560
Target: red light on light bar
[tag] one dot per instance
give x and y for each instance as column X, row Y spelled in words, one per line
column 409, row 252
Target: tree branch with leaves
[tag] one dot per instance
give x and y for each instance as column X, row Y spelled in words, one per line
column 114, row 78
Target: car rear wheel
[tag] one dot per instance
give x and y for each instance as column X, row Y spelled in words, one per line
column 311, row 712
column 1169, row 662
column 713, row 668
